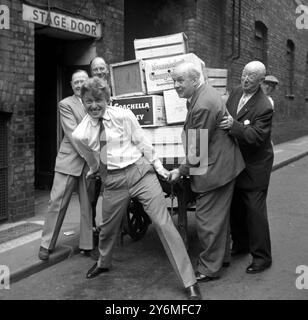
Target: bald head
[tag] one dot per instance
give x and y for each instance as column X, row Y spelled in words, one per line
column 257, row 67
column 186, row 79
column 253, row 75
column 99, row 68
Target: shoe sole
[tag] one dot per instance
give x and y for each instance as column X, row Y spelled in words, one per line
column 257, row 271
column 208, row 279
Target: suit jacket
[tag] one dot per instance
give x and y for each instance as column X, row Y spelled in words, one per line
column 225, row 161
column 68, row 160
column 252, row 129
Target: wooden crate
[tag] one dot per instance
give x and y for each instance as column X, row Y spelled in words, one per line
column 167, row 143
column 159, row 47
column 149, row 110
column 175, row 107
column 217, row 78
column 158, row 71
column 128, row 79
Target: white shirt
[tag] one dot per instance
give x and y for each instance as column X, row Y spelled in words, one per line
column 244, row 99
column 125, row 140
column 271, row 101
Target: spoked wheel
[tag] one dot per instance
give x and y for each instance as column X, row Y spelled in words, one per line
column 136, row 222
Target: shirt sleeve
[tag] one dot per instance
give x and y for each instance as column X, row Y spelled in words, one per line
column 138, row 136
column 83, row 137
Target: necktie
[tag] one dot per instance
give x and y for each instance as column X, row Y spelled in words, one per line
column 103, row 150
column 242, row 103
column 187, row 105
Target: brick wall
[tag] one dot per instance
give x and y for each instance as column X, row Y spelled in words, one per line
column 291, row 115
column 17, row 98
column 210, row 32
column 17, row 86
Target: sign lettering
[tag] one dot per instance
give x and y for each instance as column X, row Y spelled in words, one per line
column 60, row 21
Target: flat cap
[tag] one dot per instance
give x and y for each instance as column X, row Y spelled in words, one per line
column 270, row 78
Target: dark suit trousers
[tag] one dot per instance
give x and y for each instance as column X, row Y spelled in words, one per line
column 94, row 190
column 212, row 220
column 249, row 224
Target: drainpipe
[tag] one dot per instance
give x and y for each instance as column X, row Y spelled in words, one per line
column 239, row 31
column 233, row 30
column 232, row 56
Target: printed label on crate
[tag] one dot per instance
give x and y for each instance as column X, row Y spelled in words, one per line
column 145, row 108
column 158, row 71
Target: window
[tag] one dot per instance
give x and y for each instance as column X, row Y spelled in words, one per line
column 290, row 68
column 260, row 52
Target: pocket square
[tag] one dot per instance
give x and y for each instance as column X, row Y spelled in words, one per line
column 246, row 122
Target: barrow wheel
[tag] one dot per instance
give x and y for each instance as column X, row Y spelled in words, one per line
column 136, row 221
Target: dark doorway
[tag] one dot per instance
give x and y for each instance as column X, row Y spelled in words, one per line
column 46, row 72
column 55, row 63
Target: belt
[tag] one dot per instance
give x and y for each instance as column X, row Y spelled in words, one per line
column 115, row 171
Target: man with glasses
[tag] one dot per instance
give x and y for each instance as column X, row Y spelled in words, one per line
column 250, row 121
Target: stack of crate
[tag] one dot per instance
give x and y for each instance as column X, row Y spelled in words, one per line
column 145, row 86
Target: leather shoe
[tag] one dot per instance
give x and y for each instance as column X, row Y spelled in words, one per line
column 95, row 271
column 256, row 268
column 204, row 278
column 193, row 292
column 43, row 253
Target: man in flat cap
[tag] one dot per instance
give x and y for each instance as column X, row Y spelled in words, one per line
column 268, row 86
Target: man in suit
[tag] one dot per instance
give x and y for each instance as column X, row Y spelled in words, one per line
column 99, row 68
column 70, row 172
column 250, row 122
column 269, row 86
column 213, row 175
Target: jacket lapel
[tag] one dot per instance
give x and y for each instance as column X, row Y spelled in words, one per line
column 78, row 107
column 193, row 102
column 246, row 108
column 232, row 107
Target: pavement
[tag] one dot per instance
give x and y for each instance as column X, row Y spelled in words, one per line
column 20, row 255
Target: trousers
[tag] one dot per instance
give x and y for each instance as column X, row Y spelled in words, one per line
column 60, row 196
column 213, row 228
column 140, row 181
